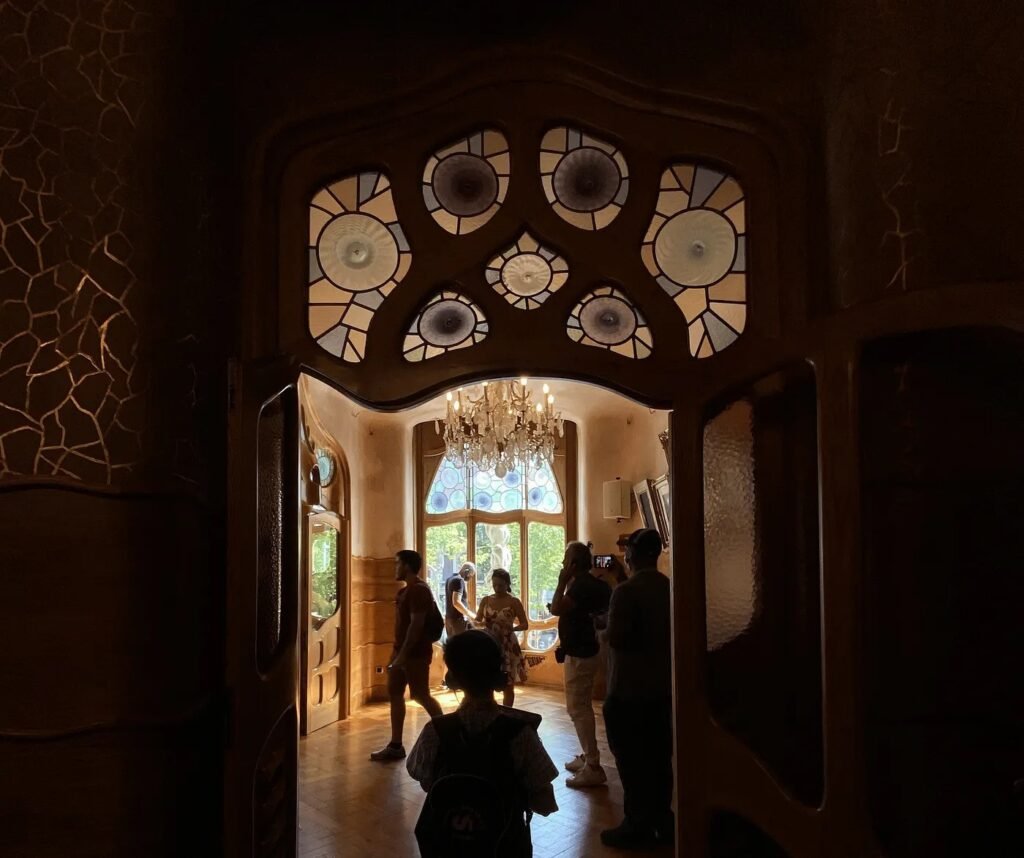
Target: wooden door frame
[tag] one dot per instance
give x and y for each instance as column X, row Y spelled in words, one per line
column 796, row 323
column 344, row 514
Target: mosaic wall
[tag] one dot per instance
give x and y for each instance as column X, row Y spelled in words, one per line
column 84, row 217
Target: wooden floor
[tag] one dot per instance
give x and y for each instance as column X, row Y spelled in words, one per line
column 352, row 808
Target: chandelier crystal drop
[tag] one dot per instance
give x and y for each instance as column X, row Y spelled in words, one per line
column 501, row 428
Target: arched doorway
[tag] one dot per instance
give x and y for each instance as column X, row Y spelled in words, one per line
column 671, row 170
column 798, row 371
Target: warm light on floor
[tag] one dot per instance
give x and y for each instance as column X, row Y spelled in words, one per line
column 352, row 808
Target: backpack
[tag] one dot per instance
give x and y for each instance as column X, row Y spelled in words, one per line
column 433, row 625
column 475, row 807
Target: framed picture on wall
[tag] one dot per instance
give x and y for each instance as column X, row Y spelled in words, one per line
column 663, row 507
column 646, row 503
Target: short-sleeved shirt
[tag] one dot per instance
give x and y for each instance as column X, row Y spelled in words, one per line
column 640, row 638
column 530, row 762
column 413, row 599
column 590, row 595
column 455, row 584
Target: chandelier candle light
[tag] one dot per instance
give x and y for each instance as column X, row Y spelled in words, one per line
column 502, row 428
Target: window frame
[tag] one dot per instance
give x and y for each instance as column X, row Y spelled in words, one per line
column 429, row 449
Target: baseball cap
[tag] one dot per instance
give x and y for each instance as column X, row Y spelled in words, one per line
column 645, row 541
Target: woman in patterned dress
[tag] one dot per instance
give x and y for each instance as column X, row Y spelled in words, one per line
column 502, row 614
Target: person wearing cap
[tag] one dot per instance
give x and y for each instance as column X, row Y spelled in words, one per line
column 638, row 705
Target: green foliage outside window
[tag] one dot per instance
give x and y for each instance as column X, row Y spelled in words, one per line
column 324, row 573
column 447, row 545
column 545, row 547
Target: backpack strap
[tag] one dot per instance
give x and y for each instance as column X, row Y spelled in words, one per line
column 452, row 738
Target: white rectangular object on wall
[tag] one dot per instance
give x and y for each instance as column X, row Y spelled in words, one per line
column 616, row 499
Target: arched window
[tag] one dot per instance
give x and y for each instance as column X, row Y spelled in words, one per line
column 519, row 522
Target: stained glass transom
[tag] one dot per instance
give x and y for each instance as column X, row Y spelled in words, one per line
column 696, row 248
column 606, row 319
column 585, row 179
column 449, row 321
column 542, row 490
column 448, row 490
column 358, row 254
column 454, row 489
column 527, row 273
column 465, row 183
column 492, row 493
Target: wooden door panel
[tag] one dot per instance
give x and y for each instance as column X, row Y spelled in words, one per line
column 260, row 770
column 324, row 698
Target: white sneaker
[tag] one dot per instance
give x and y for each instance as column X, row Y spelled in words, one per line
column 576, row 763
column 588, row 776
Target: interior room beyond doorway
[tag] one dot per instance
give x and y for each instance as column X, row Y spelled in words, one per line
column 395, row 471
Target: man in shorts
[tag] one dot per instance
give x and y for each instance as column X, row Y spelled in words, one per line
column 410, row 662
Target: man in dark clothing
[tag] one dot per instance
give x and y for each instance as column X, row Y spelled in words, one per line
column 638, row 706
column 410, row 661
column 456, row 612
column 579, row 597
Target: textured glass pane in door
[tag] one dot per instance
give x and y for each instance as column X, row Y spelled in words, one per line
column 761, row 554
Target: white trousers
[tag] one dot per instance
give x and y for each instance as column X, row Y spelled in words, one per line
column 579, row 702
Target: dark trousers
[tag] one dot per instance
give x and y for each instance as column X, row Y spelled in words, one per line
column 640, row 737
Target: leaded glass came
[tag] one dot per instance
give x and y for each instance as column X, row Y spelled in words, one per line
column 454, row 488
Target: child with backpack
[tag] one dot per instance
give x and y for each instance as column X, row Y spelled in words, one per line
column 483, row 766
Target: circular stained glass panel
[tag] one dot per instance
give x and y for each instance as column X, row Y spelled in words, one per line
column 446, row 323
column 696, row 247
column 325, row 466
column 608, row 320
column 526, row 274
column 586, row 180
column 465, row 184
column 357, row 252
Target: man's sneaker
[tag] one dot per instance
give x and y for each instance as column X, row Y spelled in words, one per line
column 388, row 753
column 588, row 776
column 625, row 836
column 576, row 763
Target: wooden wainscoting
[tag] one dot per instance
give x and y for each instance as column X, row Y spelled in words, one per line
column 373, row 624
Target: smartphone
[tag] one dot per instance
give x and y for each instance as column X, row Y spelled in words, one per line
column 602, row 561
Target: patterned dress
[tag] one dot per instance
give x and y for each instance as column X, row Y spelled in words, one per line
column 500, row 625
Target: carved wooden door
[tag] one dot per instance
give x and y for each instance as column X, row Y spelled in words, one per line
column 260, row 772
column 326, row 593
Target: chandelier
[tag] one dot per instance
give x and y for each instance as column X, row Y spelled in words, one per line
column 501, row 428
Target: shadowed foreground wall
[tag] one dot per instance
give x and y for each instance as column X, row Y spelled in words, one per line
column 112, row 420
